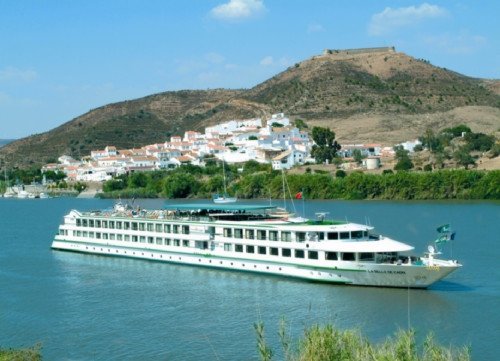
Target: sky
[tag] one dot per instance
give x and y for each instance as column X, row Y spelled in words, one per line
column 60, row 59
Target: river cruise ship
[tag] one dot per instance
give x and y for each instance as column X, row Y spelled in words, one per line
column 251, row 238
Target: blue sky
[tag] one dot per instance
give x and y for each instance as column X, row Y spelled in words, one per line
column 59, row 59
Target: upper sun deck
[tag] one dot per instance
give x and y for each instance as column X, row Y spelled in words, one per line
column 267, row 216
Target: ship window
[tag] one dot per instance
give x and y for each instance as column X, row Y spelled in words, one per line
column 91, row 234
column 348, row 256
column 78, row 233
column 104, row 236
column 321, row 236
column 250, row 249
column 119, row 237
column 166, row 228
column 126, row 225
column 356, row 234
column 176, row 228
column 333, row 235
column 228, row 232
column 238, row 248
column 150, row 239
column 85, row 234
column 98, row 235
column 91, row 223
column 286, row 236
column 112, row 224
column 344, row 235
column 273, row 235
column 286, row 252
column 104, row 224
column 273, row 251
column 300, row 236
column 238, row 233
column 185, row 229
column 127, row 238
column 177, row 242
column 167, row 241
column 299, row 253
column 84, row 222
column 366, row 256
column 134, row 226
column 228, row 247
column 150, row 227
column 262, row 250
column 78, row 222
column 118, row 225
column 261, row 234
column 312, row 254
column 112, row 236
column 159, row 240
column 185, row 243
column 158, row 227
column 249, row 234
column 142, row 239
column 331, row 256
column 142, row 226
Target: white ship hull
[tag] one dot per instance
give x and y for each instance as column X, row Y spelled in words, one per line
column 348, row 273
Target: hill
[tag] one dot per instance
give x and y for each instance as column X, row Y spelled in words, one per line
column 5, row 141
column 377, row 95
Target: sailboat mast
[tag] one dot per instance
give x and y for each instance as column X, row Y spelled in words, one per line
column 224, row 175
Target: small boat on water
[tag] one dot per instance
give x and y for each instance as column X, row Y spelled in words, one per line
column 249, row 238
column 223, row 198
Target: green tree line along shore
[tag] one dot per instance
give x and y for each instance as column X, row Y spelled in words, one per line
column 256, row 180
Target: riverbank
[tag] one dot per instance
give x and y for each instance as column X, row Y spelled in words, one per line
column 193, row 183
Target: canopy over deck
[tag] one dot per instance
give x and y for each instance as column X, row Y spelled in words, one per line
column 232, row 207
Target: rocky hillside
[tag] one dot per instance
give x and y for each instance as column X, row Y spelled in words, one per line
column 376, row 95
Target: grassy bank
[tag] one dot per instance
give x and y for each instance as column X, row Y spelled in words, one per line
column 27, row 354
column 326, row 343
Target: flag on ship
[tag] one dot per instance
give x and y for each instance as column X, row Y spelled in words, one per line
column 298, row 195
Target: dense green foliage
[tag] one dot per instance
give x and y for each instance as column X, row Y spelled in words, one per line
column 326, row 343
column 258, row 181
column 326, row 146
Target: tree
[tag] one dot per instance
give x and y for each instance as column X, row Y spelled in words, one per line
column 181, row 185
column 299, row 123
column 403, row 159
column 463, row 157
column 358, row 157
column 326, row 146
column 480, row 141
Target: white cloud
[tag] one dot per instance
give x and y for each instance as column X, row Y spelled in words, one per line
column 315, row 28
column 391, row 19
column 461, row 44
column 267, row 61
column 214, row 58
column 238, row 9
column 19, row 75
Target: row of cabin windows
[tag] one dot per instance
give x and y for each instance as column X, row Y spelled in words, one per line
column 299, row 253
column 129, row 238
column 240, row 233
column 134, row 226
column 286, row 236
column 273, row 251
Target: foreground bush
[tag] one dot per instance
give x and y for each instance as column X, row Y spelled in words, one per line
column 326, row 343
column 28, row 354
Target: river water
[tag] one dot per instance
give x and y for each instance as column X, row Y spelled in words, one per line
column 85, row 307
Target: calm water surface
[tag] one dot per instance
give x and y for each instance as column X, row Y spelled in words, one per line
column 84, row 307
